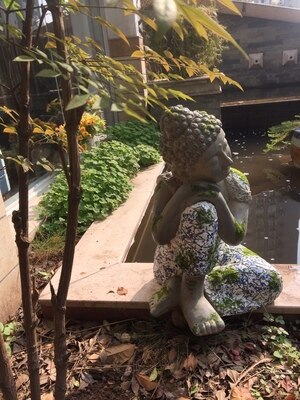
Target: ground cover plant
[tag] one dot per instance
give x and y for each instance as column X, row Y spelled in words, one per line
column 106, row 173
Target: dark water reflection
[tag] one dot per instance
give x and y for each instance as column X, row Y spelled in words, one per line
column 273, row 228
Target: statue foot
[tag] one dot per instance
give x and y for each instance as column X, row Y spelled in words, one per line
column 200, row 315
column 166, row 298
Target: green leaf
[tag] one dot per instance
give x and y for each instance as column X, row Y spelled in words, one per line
column 23, row 58
column 117, row 107
column 153, row 375
column 65, row 66
column 77, row 101
column 46, row 164
column 278, row 354
column 48, row 73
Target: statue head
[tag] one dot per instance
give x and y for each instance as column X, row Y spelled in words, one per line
column 193, row 145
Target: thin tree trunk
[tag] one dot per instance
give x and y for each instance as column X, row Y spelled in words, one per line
column 20, row 217
column 7, row 382
column 72, row 119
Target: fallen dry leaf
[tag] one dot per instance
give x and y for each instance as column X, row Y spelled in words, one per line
column 135, row 386
column 145, row 382
column 47, row 396
column 121, row 291
column 23, row 378
column 93, row 357
column 290, row 396
column 232, row 374
column 120, row 353
column 190, row 363
column 172, row 355
column 287, row 384
column 241, row 393
column 220, row 395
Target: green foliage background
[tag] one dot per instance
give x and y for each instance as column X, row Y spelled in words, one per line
column 106, row 174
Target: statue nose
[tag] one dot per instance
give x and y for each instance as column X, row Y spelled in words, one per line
column 227, row 159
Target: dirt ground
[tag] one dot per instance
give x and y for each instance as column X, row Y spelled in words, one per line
column 253, row 358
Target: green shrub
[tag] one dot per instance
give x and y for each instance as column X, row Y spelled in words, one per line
column 200, row 50
column 146, row 155
column 106, row 173
column 280, row 135
column 134, row 133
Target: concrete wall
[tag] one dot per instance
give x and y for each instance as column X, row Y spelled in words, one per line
column 269, row 37
column 10, row 296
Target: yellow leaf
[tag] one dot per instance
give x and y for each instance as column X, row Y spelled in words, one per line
column 229, row 4
column 50, row 45
column 9, row 129
column 177, row 28
column 49, row 132
column 196, row 17
column 114, row 28
column 191, row 17
column 145, row 382
column 147, row 21
column 38, row 130
column 74, row 4
column 138, row 54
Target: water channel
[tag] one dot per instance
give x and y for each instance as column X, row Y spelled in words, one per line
column 273, row 226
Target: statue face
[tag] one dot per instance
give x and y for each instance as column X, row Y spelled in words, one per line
column 214, row 165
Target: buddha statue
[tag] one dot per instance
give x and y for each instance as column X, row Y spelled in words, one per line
column 199, row 221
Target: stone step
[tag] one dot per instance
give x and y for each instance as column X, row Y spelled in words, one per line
column 122, row 291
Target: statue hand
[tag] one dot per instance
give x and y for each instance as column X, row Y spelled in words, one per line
column 204, row 191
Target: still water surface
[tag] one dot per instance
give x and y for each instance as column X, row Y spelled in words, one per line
column 273, row 226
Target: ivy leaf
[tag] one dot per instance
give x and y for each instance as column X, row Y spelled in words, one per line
column 277, row 354
column 48, row 73
column 77, row 101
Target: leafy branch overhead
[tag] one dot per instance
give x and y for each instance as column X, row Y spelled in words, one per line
column 113, row 80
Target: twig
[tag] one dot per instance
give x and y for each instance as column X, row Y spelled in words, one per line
column 246, row 371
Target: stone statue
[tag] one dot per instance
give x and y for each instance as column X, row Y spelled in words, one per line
column 199, row 220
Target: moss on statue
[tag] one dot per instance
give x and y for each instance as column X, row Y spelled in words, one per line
column 220, row 276
column 228, row 304
column 161, row 293
column 185, row 259
column 275, row 281
column 240, row 230
column 205, row 216
column 241, row 175
column 248, row 252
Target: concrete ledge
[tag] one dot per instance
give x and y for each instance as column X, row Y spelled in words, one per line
column 99, row 295
column 103, row 248
column 103, row 286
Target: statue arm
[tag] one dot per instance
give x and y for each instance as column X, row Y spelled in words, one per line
column 232, row 219
column 232, row 215
column 166, row 211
